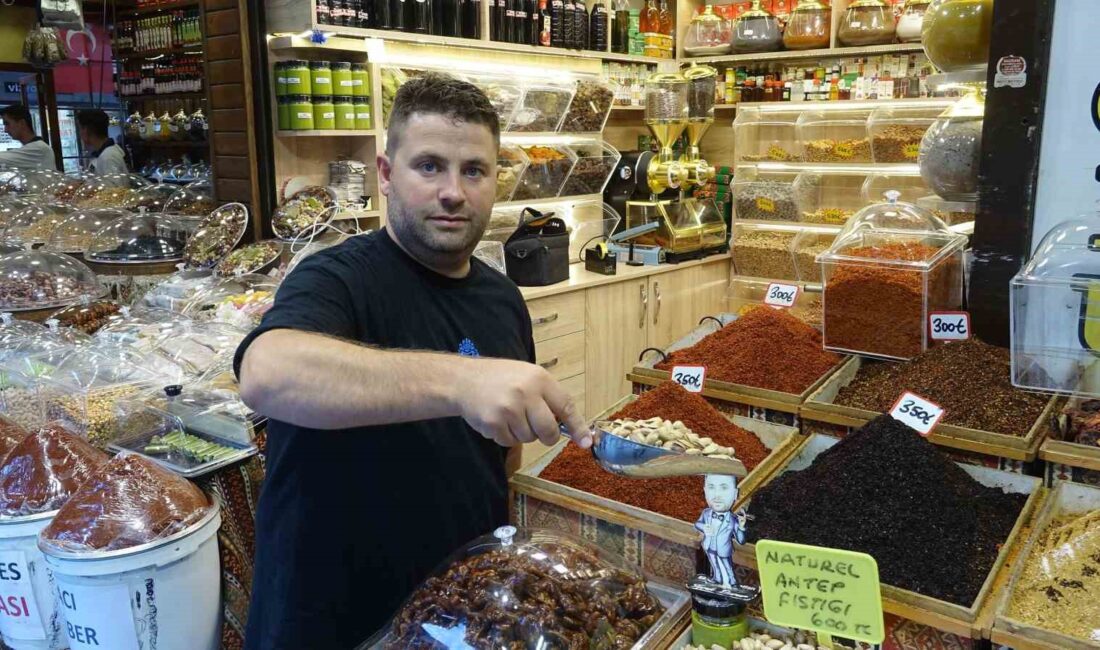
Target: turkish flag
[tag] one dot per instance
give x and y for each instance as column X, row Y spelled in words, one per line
column 89, row 69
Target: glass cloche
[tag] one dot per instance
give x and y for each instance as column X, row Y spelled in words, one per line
column 108, row 190
column 138, row 238
column 240, row 301
column 28, row 182
column 151, row 197
column 866, row 22
column 195, row 199
column 809, row 25
column 76, row 231
column 10, row 205
column 40, row 280
column 571, row 594
column 708, row 34
column 34, row 225
column 950, row 152
column 216, row 236
column 756, row 30
column 956, row 33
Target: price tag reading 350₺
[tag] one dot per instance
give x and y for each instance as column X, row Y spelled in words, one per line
column 949, row 325
column 916, row 412
column 781, row 295
column 690, row 377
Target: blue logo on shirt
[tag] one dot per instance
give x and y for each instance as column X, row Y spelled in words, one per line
column 467, row 348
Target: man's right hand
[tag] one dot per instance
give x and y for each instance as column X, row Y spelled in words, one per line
column 512, row 402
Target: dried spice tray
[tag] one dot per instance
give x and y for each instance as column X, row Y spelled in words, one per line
column 645, row 374
column 819, row 408
column 1067, row 460
column 781, row 441
column 1065, row 499
column 964, row 621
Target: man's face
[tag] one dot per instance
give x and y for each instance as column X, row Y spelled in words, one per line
column 11, row 126
column 440, row 185
column 721, row 492
column 83, row 133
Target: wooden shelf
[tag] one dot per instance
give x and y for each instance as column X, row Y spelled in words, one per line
column 173, row 6
column 140, row 98
column 328, row 133
column 165, row 144
column 801, row 55
column 534, row 203
column 190, row 48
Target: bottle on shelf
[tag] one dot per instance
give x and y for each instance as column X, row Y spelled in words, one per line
column 557, row 23
column 545, row 23
column 324, row 12
column 534, row 21
column 664, row 19
column 620, row 37
column 580, row 24
column 380, row 16
column 597, row 26
column 422, row 17
column 519, row 21
column 471, row 19
column 650, row 21
column 569, row 25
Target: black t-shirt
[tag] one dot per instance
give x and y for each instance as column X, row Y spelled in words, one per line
column 351, row 521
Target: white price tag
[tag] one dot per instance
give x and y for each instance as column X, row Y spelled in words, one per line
column 781, row 295
column 916, row 412
column 98, row 617
column 19, row 616
column 949, row 325
column 690, row 377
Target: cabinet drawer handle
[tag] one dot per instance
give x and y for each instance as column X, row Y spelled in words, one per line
column 657, row 292
column 542, row 320
column 546, row 365
column 645, row 306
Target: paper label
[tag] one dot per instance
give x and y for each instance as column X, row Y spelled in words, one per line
column 19, row 615
column 767, row 205
column 911, row 151
column 845, row 150
column 305, row 116
column 322, row 80
column 1011, row 72
column 357, row 82
column 916, row 412
column 826, row 590
column 690, row 377
column 855, row 24
column 781, row 295
column 347, row 83
column 362, row 116
column 949, row 325
column 328, row 116
column 294, row 80
column 747, row 32
column 98, row 617
column 349, row 116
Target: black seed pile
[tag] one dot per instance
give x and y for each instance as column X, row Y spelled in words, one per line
column 888, row 492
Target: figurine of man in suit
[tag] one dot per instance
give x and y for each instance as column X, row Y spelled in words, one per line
column 721, row 528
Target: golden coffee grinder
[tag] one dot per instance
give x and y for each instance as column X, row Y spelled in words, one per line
column 690, row 228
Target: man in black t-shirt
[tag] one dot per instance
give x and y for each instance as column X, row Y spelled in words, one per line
column 396, row 371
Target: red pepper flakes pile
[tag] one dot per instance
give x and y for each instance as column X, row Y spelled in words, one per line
column 680, row 497
column 766, row 348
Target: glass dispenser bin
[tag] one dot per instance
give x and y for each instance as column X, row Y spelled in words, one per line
column 765, row 136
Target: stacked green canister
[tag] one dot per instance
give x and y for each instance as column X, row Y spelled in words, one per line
column 322, row 95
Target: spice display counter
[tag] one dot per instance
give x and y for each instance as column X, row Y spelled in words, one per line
column 1071, row 451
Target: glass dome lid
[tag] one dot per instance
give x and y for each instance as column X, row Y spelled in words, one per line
column 138, row 238
column 1071, row 250
column 76, row 231
column 109, row 191
column 193, row 199
column 41, row 279
column 35, row 224
column 151, row 197
column 31, row 182
column 895, row 215
column 240, row 301
column 11, row 204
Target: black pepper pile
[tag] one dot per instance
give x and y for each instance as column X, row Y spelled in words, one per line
column 888, row 492
column 971, row 379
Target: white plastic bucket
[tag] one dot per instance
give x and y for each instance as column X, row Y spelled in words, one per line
column 28, row 611
column 164, row 595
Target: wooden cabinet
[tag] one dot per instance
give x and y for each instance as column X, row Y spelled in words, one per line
column 711, row 295
column 672, row 306
column 616, row 330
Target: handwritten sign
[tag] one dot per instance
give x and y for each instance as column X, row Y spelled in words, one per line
column 98, row 617
column 690, row 377
column 765, row 204
column 781, row 295
column 917, row 412
column 949, row 325
column 19, row 614
column 826, row 590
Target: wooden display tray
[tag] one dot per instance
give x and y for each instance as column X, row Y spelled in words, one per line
column 942, row 615
column 645, row 373
column 137, row 269
column 820, row 408
column 1065, row 498
column 1071, row 454
column 781, row 440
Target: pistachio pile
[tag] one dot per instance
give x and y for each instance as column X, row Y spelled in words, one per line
column 673, row 436
column 763, row 641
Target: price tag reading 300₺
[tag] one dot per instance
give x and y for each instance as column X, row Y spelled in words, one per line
column 916, row 412
column 690, row 377
column 949, row 325
column 781, row 295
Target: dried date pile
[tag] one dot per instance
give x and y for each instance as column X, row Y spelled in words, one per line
column 888, row 492
column 511, row 599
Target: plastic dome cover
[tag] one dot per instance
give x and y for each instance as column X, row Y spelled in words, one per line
column 240, row 301
column 152, row 197
column 301, row 218
column 10, row 205
column 44, row 470
column 216, row 236
column 138, row 238
column 254, row 258
column 176, row 291
column 30, row 182
column 195, row 199
column 141, row 328
column 88, row 315
column 896, row 216
column 76, row 230
column 527, row 589
column 35, row 224
column 11, row 434
column 108, row 191
column 13, row 330
column 40, row 279
column 199, row 347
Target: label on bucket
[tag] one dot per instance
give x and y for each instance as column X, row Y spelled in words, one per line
column 19, row 617
column 98, row 617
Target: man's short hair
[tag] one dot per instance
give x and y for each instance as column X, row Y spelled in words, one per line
column 95, row 120
column 18, row 112
column 439, row 94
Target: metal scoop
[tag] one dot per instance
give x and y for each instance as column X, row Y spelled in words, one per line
column 625, row 457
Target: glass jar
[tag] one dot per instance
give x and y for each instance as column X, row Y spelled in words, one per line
column 342, row 83
column 284, row 113
column 360, row 80
column 866, row 22
column 955, row 33
column 912, row 17
column 298, row 80
column 707, row 35
column 165, row 131
column 320, row 74
column 716, row 622
column 362, row 113
column 324, row 113
column 300, row 108
column 808, row 27
column 345, row 112
column 180, row 125
column 149, row 126
column 280, row 79
column 199, row 126
column 950, row 152
column 133, row 125
column 756, row 30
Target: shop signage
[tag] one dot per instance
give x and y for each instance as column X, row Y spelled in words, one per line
column 1011, row 72
column 916, row 412
column 949, row 325
column 19, row 616
column 690, row 377
column 98, row 617
column 11, row 87
column 781, row 295
column 829, row 591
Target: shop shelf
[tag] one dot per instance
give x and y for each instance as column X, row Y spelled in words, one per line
column 765, row 136
column 595, row 164
column 163, row 6
column 896, row 131
column 761, row 194
column 328, row 133
column 834, row 136
column 190, row 48
column 764, row 250
column 151, row 96
column 802, row 55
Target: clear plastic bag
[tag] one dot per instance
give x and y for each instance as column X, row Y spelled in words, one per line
column 11, row 434
column 127, row 502
column 45, row 469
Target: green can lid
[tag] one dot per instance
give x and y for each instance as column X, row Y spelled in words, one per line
column 341, row 65
column 319, row 65
column 719, row 608
column 299, row 99
column 359, row 67
column 322, row 99
column 360, row 100
column 342, row 99
column 297, row 63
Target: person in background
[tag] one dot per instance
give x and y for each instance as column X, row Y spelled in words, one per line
column 35, row 152
column 105, row 156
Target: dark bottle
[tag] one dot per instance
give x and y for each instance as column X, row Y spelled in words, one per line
column 422, row 16
column 471, row 18
column 381, row 14
column 569, row 24
column 597, row 27
column 621, row 37
column 580, row 25
column 544, row 23
column 533, row 22
column 324, row 13
column 519, row 22
column 337, row 11
column 397, row 14
column 362, row 13
column 557, row 23
column 435, row 17
column 452, row 18
column 498, row 20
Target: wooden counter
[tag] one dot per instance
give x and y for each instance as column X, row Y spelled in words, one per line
column 580, row 279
